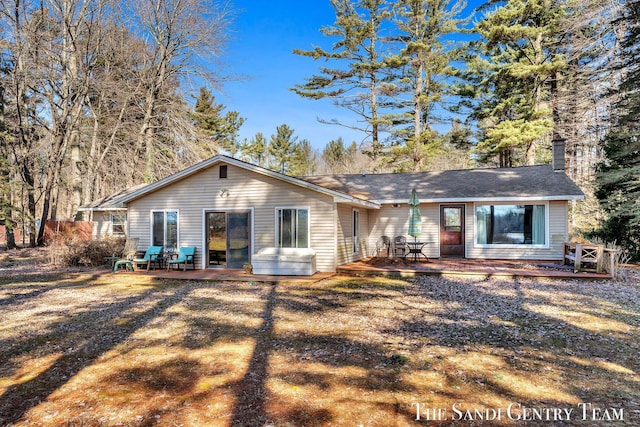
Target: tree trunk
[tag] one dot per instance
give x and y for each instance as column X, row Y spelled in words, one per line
column 537, row 96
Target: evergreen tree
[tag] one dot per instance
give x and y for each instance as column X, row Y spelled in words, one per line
column 303, row 160
column 339, row 158
column 282, row 148
column 357, row 81
column 423, row 64
column 334, row 153
column 619, row 174
column 221, row 129
column 514, row 68
column 256, row 150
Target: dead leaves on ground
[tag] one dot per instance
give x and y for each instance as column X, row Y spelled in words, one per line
column 344, row 351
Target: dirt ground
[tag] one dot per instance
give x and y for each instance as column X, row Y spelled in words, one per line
column 97, row 349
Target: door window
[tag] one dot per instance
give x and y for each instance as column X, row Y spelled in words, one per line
column 228, row 237
column 452, row 219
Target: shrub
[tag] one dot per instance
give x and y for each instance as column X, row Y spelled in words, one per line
column 72, row 251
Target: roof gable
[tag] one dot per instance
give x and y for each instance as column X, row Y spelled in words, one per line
column 222, row 159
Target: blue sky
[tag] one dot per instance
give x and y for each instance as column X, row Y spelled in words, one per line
column 264, row 34
column 263, row 37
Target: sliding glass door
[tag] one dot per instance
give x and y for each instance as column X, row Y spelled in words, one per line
column 228, row 237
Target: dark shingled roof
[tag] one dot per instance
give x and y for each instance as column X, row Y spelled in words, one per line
column 530, row 182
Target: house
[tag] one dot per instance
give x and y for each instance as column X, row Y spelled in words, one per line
column 233, row 211
column 108, row 215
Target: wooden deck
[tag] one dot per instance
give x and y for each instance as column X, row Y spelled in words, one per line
column 396, row 268
column 225, row 275
column 467, row 267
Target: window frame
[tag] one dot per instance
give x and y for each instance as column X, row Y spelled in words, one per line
column 121, row 221
column 355, row 231
column 277, row 226
column 546, row 244
column 164, row 225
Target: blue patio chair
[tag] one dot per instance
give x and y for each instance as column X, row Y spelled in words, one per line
column 151, row 255
column 185, row 256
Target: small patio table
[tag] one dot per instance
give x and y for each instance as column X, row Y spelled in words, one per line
column 168, row 257
column 415, row 250
column 163, row 258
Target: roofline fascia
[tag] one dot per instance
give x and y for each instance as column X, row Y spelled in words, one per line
column 360, row 202
column 484, row 199
column 338, row 196
column 98, row 209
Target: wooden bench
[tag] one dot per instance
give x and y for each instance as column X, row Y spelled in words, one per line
column 584, row 256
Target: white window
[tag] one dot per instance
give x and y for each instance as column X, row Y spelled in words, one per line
column 515, row 225
column 356, row 231
column 164, row 228
column 117, row 223
column 292, row 229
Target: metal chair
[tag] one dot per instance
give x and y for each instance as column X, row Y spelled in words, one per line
column 383, row 243
column 400, row 246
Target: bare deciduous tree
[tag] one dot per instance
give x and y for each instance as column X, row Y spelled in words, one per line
column 177, row 33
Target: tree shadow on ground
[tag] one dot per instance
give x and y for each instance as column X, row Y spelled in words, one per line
column 33, row 291
column 256, row 403
column 323, row 354
column 20, row 398
column 530, row 330
column 251, row 391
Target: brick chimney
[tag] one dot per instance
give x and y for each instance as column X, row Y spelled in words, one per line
column 557, row 160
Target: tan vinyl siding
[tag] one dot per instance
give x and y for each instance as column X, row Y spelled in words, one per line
column 365, row 249
column 245, row 190
column 344, row 233
column 394, row 221
column 102, row 225
column 558, row 232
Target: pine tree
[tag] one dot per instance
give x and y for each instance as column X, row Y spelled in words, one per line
column 334, row 153
column 221, row 129
column 282, row 148
column 356, row 82
column 619, row 174
column 338, row 158
column 256, row 150
column 423, row 64
column 514, row 68
column 303, row 160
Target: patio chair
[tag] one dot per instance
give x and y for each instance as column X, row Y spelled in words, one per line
column 130, row 248
column 400, row 246
column 151, row 255
column 127, row 254
column 383, row 244
column 185, row 256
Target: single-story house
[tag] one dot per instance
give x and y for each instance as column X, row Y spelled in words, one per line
column 234, row 212
column 108, row 215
